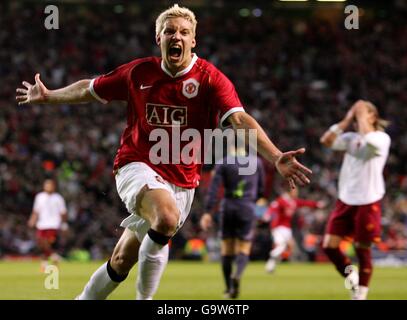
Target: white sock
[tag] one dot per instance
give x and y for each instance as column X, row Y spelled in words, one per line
column 153, row 258
column 99, row 286
column 362, row 292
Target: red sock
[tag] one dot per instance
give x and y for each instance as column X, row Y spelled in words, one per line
column 46, row 253
column 338, row 259
column 365, row 265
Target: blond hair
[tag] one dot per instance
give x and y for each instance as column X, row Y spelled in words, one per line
column 175, row 12
column 380, row 124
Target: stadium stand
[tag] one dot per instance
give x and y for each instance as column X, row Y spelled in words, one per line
column 295, row 75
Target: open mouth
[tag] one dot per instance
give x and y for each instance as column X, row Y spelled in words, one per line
column 175, row 52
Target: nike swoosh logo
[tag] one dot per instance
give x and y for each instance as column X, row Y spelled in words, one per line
column 142, row 87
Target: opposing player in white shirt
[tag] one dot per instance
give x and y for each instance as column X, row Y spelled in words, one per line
column 49, row 215
column 357, row 212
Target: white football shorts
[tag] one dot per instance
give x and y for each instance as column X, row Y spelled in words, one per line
column 131, row 178
column 281, row 235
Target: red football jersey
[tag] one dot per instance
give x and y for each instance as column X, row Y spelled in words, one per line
column 283, row 208
column 195, row 98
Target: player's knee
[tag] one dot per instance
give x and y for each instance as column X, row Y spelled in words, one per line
column 166, row 221
column 331, row 242
column 363, row 245
column 329, row 245
column 122, row 263
column 327, row 250
column 243, row 247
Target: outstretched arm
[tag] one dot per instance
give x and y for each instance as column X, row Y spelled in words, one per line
column 285, row 163
column 38, row 93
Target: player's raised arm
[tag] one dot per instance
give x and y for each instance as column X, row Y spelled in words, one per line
column 38, row 93
column 329, row 136
column 367, row 118
column 285, row 162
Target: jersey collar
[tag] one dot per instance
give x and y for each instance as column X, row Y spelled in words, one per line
column 182, row 72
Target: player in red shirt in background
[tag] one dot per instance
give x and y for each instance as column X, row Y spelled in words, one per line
column 280, row 214
column 174, row 92
column 49, row 216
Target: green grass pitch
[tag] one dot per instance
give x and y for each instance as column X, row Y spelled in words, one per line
column 203, row 280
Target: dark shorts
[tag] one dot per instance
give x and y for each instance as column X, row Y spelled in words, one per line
column 361, row 223
column 49, row 235
column 238, row 220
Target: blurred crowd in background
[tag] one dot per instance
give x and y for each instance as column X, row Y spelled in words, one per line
column 295, row 73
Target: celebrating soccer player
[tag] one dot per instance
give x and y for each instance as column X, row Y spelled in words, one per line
column 175, row 92
column 357, row 212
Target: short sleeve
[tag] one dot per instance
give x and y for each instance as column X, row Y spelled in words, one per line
column 112, row 85
column 224, row 96
column 378, row 141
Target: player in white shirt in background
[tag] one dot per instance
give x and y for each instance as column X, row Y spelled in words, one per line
column 49, row 215
column 357, row 212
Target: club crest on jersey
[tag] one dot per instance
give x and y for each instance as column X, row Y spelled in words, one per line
column 190, row 88
column 160, row 115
